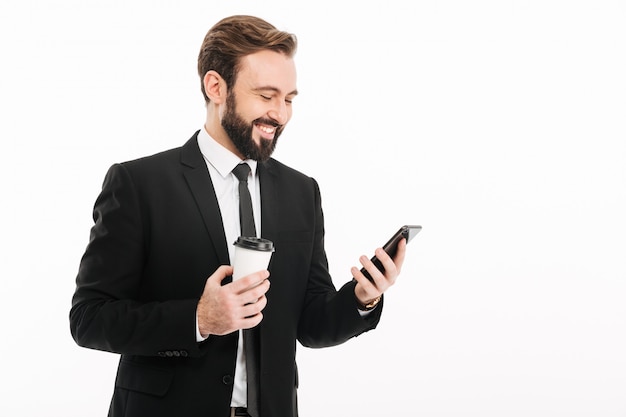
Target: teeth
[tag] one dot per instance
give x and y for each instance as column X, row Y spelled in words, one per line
column 267, row 129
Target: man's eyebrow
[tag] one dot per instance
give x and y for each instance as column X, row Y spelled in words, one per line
column 275, row 90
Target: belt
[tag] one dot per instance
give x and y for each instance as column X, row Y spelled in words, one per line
column 239, row 411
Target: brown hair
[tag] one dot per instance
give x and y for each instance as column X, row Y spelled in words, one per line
column 233, row 38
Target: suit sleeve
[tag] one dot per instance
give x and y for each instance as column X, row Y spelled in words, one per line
column 330, row 317
column 107, row 310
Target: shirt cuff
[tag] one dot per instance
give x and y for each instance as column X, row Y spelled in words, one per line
column 200, row 338
column 361, row 312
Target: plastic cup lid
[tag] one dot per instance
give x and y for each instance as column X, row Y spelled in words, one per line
column 255, row 243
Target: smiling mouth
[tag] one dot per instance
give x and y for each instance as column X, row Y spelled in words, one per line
column 270, row 130
column 267, row 128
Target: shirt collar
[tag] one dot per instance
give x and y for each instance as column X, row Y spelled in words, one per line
column 219, row 157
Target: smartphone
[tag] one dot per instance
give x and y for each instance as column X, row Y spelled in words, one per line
column 407, row 232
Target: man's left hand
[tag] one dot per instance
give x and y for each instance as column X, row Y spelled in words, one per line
column 366, row 291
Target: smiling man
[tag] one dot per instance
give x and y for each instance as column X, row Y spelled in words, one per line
column 154, row 282
column 266, row 88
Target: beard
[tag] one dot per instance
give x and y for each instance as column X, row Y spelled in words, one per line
column 240, row 133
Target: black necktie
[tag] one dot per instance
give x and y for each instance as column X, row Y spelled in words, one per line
column 246, row 217
column 250, row 337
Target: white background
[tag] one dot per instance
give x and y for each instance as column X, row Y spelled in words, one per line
column 497, row 125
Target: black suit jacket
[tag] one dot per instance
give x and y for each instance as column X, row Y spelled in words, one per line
column 157, row 237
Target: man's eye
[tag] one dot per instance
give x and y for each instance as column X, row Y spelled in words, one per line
column 265, row 97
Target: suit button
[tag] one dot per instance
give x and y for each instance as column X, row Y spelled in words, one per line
column 176, row 353
column 227, row 379
column 169, row 354
column 184, row 353
column 161, row 354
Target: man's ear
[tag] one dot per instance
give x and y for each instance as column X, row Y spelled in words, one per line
column 215, row 87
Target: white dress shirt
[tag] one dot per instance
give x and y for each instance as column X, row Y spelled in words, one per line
column 220, row 163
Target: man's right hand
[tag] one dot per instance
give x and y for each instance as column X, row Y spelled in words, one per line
column 223, row 309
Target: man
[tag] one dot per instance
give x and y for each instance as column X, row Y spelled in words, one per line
column 154, row 282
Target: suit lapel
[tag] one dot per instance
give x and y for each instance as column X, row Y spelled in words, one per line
column 269, row 230
column 201, row 186
column 269, row 201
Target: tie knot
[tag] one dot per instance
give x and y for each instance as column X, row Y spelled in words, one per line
column 241, row 171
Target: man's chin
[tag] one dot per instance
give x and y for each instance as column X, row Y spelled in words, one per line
column 265, row 149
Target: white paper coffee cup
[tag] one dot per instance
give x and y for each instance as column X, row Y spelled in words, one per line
column 252, row 254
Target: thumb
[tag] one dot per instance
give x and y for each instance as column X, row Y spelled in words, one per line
column 221, row 273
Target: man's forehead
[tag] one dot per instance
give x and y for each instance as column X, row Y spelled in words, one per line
column 269, row 70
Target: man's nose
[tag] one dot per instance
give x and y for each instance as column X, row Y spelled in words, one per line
column 279, row 113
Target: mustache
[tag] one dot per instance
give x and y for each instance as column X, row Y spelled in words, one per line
column 270, row 122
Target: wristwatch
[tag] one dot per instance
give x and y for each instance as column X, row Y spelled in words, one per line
column 369, row 306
